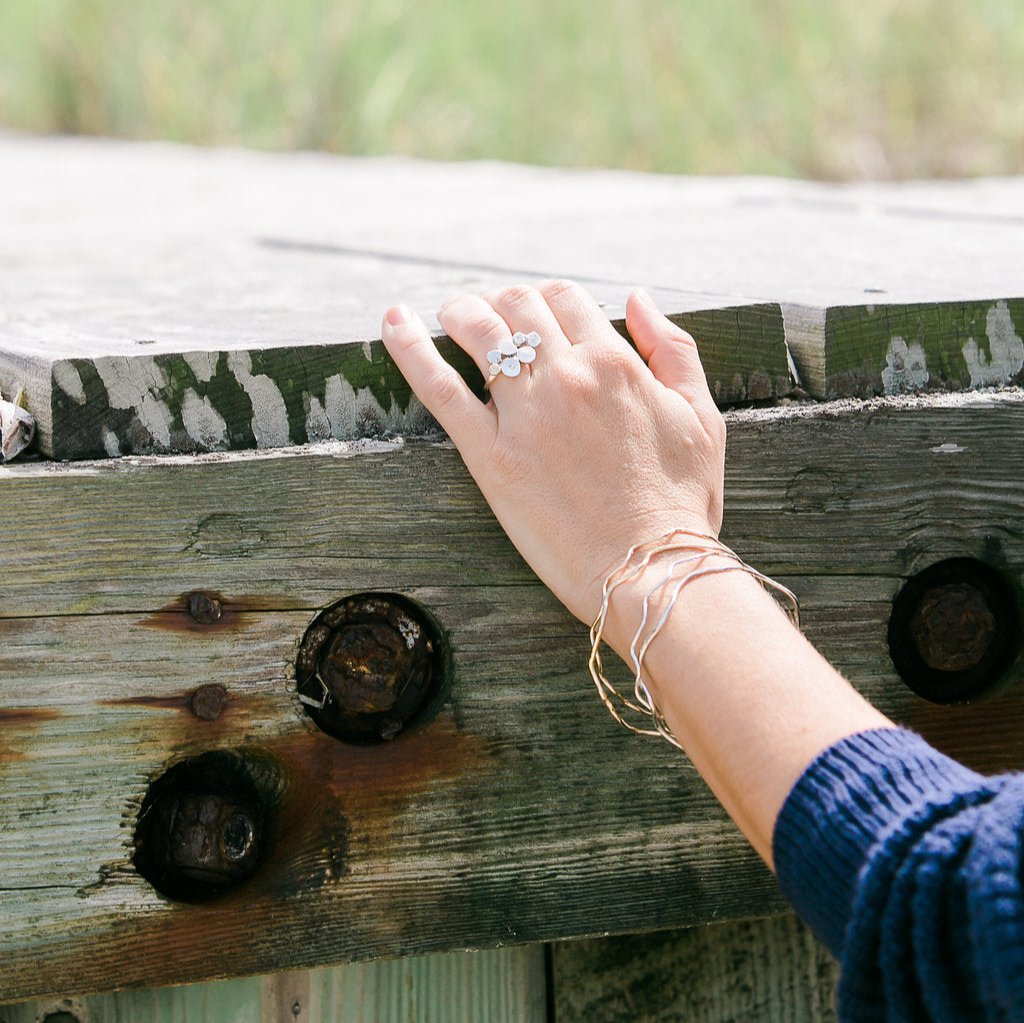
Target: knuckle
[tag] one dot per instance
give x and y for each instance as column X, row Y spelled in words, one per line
column 619, row 359
column 557, row 288
column 516, row 295
column 485, row 327
column 510, row 460
column 682, row 337
column 443, row 391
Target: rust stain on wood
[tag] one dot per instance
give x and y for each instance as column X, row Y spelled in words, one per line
column 12, row 716
column 987, row 736
column 175, row 701
column 21, row 721
column 342, row 797
column 206, row 702
column 337, row 803
column 234, row 612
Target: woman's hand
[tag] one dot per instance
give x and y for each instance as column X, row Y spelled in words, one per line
column 592, row 448
column 589, row 451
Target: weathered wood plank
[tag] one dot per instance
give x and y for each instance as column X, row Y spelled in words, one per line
column 846, row 351
column 749, row 971
column 280, row 395
column 243, row 307
column 508, row 818
column 506, row 985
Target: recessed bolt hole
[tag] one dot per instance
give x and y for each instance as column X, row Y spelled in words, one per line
column 201, row 830
column 955, row 630
column 372, row 666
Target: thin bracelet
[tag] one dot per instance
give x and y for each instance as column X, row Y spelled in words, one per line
column 706, row 546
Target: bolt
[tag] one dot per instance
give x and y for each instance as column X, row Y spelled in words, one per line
column 208, row 702
column 952, row 627
column 204, row 608
column 213, row 839
column 368, row 666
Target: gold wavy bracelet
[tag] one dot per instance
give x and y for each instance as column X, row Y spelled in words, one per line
column 697, row 546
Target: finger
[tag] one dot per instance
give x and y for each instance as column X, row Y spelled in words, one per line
column 578, row 314
column 670, row 352
column 468, row 422
column 524, row 310
column 475, row 327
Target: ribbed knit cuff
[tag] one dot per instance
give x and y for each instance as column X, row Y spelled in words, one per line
column 842, row 805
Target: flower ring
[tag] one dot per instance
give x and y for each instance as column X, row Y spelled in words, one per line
column 510, row 356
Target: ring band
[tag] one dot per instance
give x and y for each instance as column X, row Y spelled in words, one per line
column 510, row 356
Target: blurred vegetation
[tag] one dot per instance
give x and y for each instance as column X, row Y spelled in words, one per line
column 842, row 89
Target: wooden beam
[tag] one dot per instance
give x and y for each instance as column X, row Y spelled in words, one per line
column 507, row 818
column 747, row 971
column 885, row 348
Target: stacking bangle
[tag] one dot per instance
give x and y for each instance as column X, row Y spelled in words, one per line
column 694, row 548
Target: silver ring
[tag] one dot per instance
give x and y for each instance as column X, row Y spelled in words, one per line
column 509, row 357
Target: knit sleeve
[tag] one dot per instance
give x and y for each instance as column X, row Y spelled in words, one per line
column 908, row 867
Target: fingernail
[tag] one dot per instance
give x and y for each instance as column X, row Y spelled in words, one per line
column 644, row 297
column 399, row 314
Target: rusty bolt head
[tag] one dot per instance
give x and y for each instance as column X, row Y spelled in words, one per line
column 955, row 630
column 952, row 627
column 366, row 665
column 213, row 838
column 204, row 824
column 208, row 702
column 370, row 665
column 205, row 608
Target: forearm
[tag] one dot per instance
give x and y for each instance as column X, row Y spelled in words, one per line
column 748, row 697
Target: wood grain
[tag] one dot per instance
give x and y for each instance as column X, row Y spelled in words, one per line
column 507, row 819
column 749, row 971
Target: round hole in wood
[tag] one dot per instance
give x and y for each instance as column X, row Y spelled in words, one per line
column 955, row 630
column 372, row 666
column 203, row 826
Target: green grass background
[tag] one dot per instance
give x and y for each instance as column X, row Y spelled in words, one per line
column 820, row 88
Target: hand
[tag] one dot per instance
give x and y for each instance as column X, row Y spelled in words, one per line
column 592, row 448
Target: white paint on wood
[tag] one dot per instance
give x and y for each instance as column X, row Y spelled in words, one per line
column 949, row 448
column 203, row 364
column 125, row 380
column 906, row 367
column 269, row 415
column 318, row 425
column 203, row 423
column 1005, row 345
column 67, row 378
column 110, row 442
column 340, row 406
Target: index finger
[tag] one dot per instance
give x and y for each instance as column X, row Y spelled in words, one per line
column 469, row 423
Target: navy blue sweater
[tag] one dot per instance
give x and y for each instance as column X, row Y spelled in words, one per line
column 908, row 866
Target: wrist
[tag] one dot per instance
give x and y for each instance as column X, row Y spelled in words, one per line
column 716, row 582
